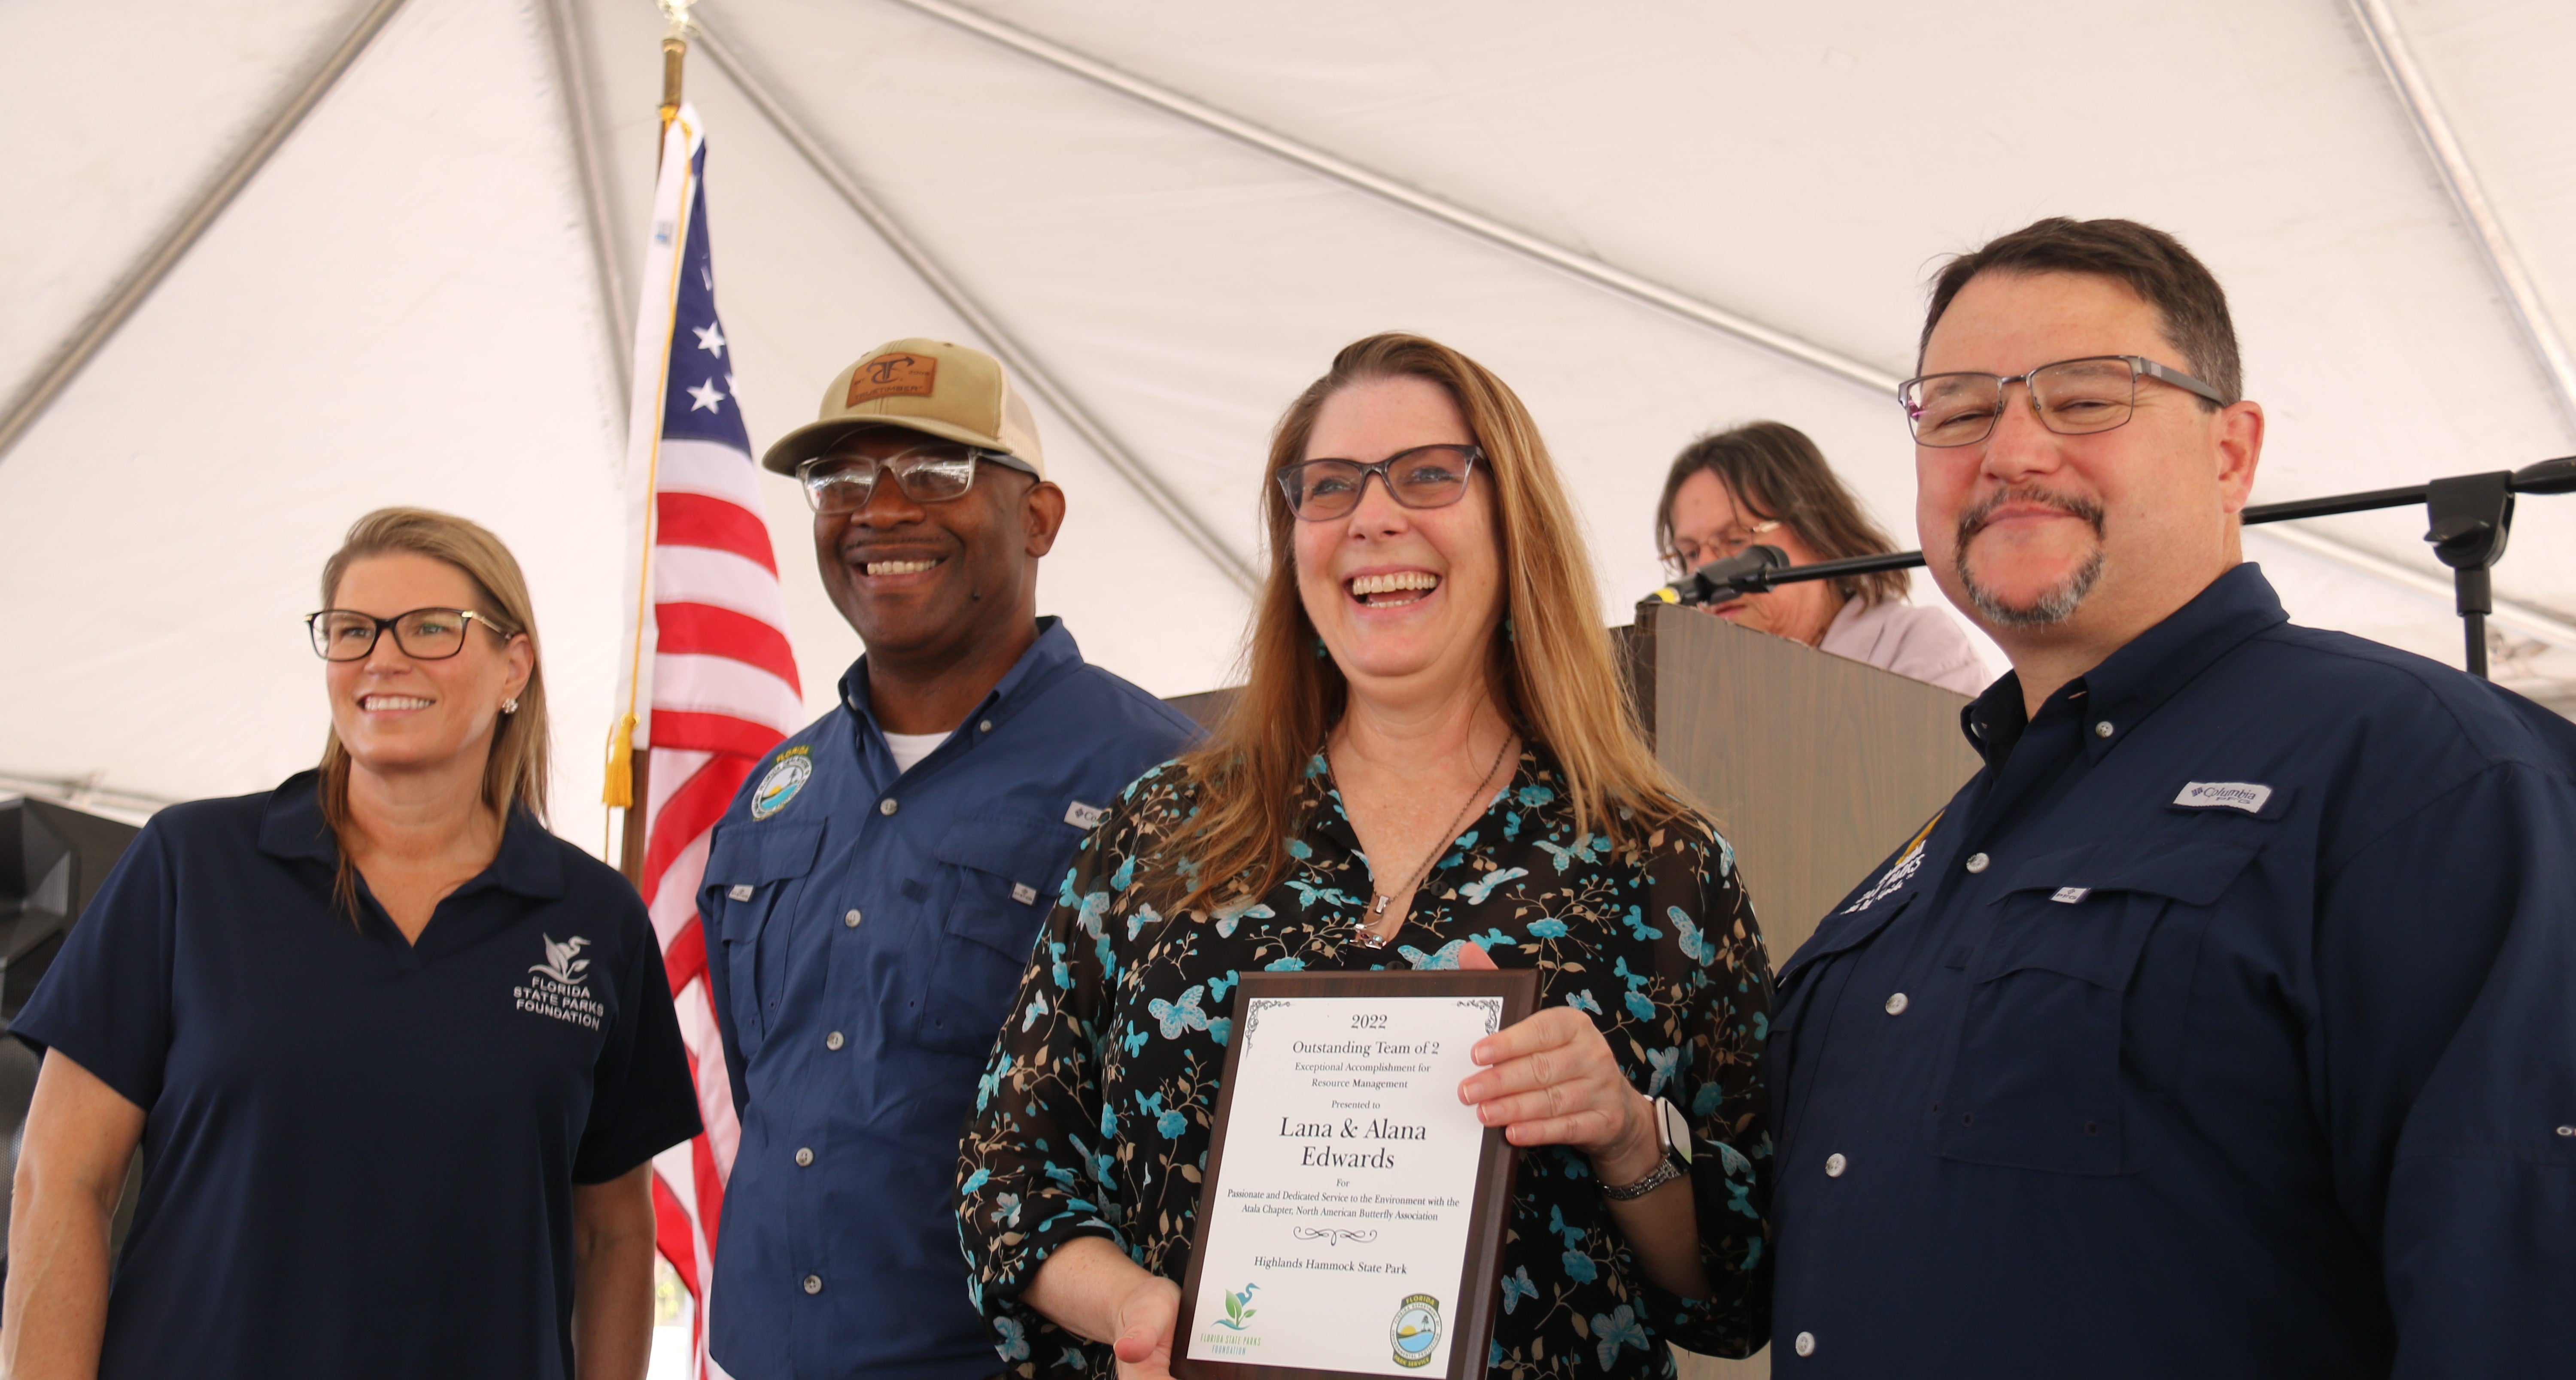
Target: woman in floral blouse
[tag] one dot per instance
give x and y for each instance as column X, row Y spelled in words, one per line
column 1431, row 690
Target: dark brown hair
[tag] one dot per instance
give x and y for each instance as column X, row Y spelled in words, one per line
column 1552, row 671
column 1774, row 471
column 514, row 775
column 2148, row 261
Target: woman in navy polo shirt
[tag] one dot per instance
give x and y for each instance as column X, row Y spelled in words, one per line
column 396, row 1057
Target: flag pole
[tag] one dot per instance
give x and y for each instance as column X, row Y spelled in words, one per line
column 629, row 770
column 675, row 48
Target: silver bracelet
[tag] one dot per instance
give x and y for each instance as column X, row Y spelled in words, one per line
column 1664, row 1173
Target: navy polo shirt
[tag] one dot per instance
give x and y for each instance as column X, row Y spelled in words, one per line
column 2224, row 1025
column 866, row 933
column 359, row 1153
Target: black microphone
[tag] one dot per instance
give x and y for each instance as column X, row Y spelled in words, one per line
column 1746, row 572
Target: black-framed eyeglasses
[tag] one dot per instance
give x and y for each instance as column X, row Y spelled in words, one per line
column 1423, row 477
column 422, row 634
column 2072, row 397
column 930, row 471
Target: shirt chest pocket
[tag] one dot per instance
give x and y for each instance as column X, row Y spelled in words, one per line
column 2037, row 1081
column 1813, row 970
column 1006, row 870
column 752, row 875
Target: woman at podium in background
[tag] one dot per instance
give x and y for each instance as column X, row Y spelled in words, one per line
column 1766, row 483
column 396, row 1057
column 1432, row 765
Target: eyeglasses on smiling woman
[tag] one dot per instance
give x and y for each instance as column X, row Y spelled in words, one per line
column 1423, row 477
column 2072, row 397
column 422, row 634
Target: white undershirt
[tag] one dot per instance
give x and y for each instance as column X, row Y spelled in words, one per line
column 909, row 748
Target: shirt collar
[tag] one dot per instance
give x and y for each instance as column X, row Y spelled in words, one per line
column 292, row 828
column 1053, row 654
column 2132, row 682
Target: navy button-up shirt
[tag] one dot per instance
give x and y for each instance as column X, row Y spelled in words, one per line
column 2224, row 1025
column 866, row 932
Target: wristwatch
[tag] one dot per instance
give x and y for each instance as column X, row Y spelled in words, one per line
column 1675, row 1133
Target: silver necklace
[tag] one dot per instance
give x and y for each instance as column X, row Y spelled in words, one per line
column 1379, row 900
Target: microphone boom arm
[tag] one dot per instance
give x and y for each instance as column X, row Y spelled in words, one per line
column 2469, row 545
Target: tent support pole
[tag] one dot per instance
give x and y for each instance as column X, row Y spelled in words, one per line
column 1035, row 376
column 2469, row 198
column 1414, row 199
column 120, row 303
column 569, row 43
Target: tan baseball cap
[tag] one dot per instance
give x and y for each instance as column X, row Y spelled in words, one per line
column 954, row 392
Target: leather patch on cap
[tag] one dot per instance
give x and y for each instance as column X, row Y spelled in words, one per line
column 892, row 376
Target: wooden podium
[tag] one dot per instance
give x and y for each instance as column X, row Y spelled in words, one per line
column 1815, row 767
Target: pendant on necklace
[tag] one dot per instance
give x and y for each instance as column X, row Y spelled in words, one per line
column 1370, row 939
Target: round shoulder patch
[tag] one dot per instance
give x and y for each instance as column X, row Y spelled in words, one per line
column 781, row 785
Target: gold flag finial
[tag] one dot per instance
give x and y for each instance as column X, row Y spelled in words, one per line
column 675, row 46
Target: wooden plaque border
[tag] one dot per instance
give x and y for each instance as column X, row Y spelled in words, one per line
column 1480, row 1288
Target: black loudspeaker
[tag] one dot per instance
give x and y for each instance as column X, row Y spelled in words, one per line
column 52, row 860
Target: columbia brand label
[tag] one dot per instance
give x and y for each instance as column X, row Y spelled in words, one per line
column 1082, row 816
column 785, row 779
column 1024, row 893
column 560, row 986
column 739, row 891
column 2069, row 895
column 2231, row 795
column 892, row 376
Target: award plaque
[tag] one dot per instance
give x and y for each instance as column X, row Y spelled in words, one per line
column 1351, row 1223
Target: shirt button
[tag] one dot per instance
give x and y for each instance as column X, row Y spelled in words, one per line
column 1896, row 1005
column 2567, row 1130
column 1976, row 861
column 1806, row 1342
column 805, row 1157
column 832, row 1041
column 814, row 1285
column 851, row 918
column 2102, row 729
column 886, row 806
column 984, row 727
column 1835, row 1165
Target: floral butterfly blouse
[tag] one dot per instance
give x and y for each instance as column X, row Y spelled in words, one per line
column 1092, row 1117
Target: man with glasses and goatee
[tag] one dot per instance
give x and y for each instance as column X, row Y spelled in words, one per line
column 2221, row 1025
column 871, row 896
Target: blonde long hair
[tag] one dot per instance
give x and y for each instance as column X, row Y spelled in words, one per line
column 515, row 772
column 1550, row 663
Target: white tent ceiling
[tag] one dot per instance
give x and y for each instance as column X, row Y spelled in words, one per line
column 404, row 302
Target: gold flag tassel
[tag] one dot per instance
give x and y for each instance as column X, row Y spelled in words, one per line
column 619, row 791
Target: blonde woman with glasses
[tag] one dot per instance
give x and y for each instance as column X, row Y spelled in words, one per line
column 395, row 1056
column 1431, row 766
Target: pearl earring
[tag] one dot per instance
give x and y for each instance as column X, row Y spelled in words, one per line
column 510, row 705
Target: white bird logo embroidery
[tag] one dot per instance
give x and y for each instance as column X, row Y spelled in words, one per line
column 560, row 963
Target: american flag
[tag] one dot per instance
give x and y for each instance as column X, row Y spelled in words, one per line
column 709, row 679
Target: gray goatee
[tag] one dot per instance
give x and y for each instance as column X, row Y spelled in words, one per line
column 2055, row 604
